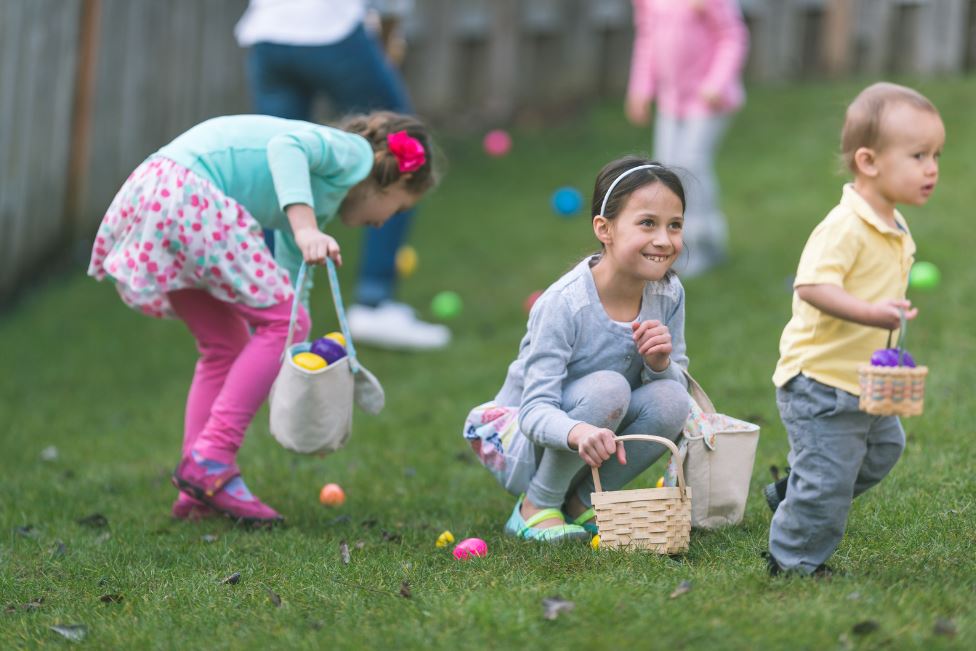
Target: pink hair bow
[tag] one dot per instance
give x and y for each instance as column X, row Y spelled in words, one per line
column 408, row 151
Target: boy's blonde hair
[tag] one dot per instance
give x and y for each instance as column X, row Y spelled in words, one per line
column 862, row 124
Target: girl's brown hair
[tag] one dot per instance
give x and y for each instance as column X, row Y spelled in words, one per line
column 622, row 191
column 863, row 121
column 375, row 127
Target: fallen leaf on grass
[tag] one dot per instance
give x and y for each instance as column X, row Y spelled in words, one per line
column 95, row 521
column 274, row 598
column 111, row 598
column 360, row 544
column 209, row 538
column 553, row 606
column 944, row 627
column 30, row 606
column 50, row 453
column 389, row 536
column 27, row 531
column 866, row 627
column 73, row 632
column 344, row 552
column 233, row 579
column 405, row 591
column 683, row 588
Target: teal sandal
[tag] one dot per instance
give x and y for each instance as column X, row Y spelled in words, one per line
column 525, row 529
column 583, row 520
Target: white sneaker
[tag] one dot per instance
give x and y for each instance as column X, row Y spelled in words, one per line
column 395, row 326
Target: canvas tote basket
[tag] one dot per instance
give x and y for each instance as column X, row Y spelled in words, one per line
column 311, row 411
column 653, row 519
column 718, row 453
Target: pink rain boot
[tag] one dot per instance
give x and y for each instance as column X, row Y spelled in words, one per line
column 219, row 486
column 192, row 509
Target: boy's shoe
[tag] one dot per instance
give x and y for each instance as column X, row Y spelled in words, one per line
column 395, row 326
column 190, row 508
column 776, row 491
column 584, row 520
column 823, row 570
column 219, row 486
column 525, row 529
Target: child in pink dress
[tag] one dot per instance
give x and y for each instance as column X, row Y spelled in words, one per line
column 688, row 57
column 183, row 239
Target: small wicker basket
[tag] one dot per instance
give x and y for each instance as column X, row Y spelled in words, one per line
column 893, row 390
column 653, row 519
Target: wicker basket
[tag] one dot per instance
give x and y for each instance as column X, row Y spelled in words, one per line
column 654, row 519
column 893, row 390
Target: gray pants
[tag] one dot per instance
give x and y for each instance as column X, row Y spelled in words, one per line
column 689, row 145
column 836, row 453
column 605, row 399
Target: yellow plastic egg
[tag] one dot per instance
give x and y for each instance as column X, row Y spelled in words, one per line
column 595, row 542
column 445, row 539
column 309, row 361
column 336, row 337
column 660, row 482
column 406, row 261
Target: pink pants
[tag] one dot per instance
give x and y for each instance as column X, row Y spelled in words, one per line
column 236, row 368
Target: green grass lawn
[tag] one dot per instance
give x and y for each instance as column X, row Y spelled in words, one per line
column 106, row 387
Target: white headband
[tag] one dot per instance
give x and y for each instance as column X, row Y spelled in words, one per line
column 606, row 197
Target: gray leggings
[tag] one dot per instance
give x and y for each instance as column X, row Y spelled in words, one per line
column 605, row 399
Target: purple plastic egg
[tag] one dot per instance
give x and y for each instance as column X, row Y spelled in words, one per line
column 328, row 349
column 882, row 357
column 889, row 357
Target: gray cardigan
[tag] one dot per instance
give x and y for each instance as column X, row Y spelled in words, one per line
column 570, row 335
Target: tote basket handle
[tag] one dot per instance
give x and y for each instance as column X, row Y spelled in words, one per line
column 304, row 274
column 647, row 437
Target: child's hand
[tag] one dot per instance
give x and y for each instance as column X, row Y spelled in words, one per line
column 316, row 246
column 596, row 444
column 638, row 111
column 711, row 98
column 653, row 340
column 885, row 314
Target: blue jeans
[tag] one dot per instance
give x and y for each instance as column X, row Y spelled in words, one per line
column 836, row 453
column 356, row 78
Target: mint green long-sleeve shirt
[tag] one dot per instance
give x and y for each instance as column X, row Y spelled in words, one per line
column 267, row 163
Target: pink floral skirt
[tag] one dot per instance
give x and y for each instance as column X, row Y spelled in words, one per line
column 169, row 229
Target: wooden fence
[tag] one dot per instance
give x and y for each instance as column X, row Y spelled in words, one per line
column 88, row 88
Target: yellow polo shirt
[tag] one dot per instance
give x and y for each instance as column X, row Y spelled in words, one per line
column 857, row 251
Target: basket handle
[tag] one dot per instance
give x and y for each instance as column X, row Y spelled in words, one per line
column 304, row 274
column 646, row 437
column 902, row 331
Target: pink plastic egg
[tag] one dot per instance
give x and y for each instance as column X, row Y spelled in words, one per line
column 470, row 547
column 497, row 143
